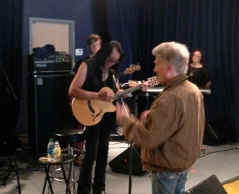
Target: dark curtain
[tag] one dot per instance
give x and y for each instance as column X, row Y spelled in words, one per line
column 100, row 20
column 212, row 26
column 11, row 13
column 122, row 26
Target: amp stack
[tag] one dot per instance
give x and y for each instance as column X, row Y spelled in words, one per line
column 48, row 82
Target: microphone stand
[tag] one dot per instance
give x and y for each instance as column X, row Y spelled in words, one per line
column 9, row 83
column 130, row 154
column 112, row 73
column 130, row 167
column 12, row 146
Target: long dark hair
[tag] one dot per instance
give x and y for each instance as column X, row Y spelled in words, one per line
column 105, row 52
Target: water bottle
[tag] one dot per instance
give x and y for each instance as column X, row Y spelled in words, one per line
column 50, row 148
column 57, row 151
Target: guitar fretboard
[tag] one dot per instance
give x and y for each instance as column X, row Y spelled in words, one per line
column 121, row 74
column 127, row 91
column 151, row 81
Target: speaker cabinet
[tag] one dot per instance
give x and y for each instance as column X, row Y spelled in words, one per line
column 121, row 163
column 48, row 108
column 209, row 186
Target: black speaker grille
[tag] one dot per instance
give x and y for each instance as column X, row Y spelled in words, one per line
column 48, row 108
column 210, row 185
column 121, row 163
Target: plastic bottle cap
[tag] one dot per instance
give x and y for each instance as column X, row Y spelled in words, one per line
column 51, row 139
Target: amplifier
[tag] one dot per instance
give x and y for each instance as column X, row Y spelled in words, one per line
column 53, row 64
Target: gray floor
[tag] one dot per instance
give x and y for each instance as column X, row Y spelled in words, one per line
column 220, row 160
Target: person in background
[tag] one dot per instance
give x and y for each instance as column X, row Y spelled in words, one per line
column 90, row 78
column 94, row 42
column 197, row 72
column 171, row 133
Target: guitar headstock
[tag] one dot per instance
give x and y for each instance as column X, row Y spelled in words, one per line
column 132, row 68
column 152, row 81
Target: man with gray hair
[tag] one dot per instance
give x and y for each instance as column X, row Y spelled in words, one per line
column 170, row 133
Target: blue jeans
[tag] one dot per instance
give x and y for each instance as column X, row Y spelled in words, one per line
column 169, row 182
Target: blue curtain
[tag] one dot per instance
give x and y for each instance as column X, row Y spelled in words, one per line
column 212, row 26
column 11, row 13
column 123, row 26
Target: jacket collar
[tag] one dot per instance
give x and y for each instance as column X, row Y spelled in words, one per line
column 176, row 80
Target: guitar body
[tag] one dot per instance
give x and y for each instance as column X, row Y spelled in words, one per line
column 90, row 112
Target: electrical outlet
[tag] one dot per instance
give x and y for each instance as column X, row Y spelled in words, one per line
column 78, row 52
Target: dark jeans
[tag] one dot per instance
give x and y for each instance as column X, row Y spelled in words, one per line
column 97, row 147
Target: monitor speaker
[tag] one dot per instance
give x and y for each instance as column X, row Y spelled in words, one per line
column 121, row 163
column 210, row 185
column 48, row 108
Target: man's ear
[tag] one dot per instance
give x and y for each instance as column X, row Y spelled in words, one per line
column 169, row 66
column 171, row 70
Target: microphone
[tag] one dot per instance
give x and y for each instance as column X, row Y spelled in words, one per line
column 111, row 72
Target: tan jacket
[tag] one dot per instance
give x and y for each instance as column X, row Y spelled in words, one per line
column 171, row 135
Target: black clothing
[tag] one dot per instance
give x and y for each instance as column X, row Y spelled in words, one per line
column 93, row 80
column 97, row 137
column 77, row 65
column 198, row 76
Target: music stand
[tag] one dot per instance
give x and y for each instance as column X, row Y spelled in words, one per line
column 11, row 168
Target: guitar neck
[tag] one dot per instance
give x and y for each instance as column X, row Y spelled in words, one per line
column 127, row 91
column 121, row 74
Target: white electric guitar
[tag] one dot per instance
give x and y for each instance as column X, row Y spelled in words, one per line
column 90, row 112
